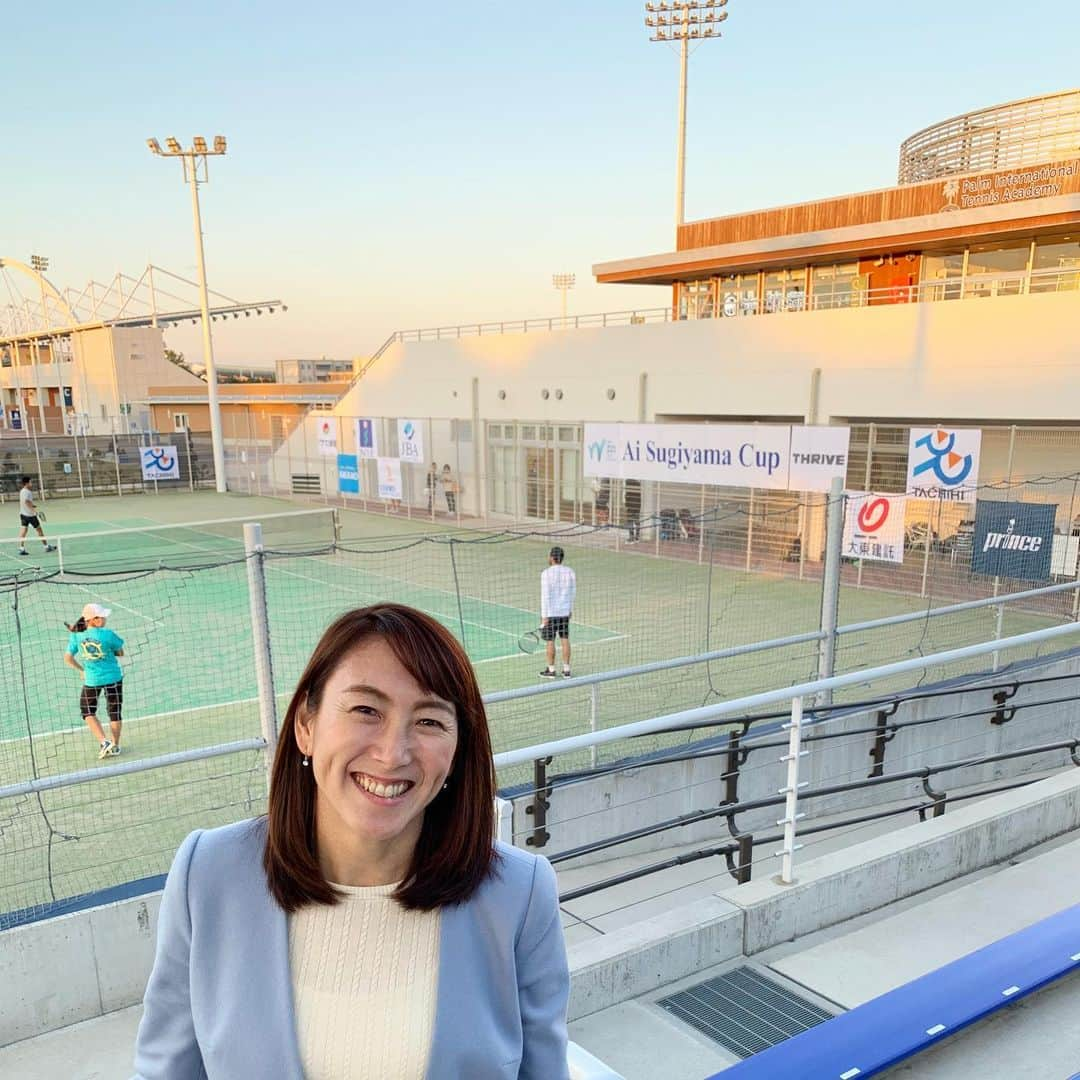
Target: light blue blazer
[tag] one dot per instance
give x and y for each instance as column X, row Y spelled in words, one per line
column 219, row 1001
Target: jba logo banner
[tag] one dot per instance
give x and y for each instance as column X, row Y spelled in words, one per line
column 943, row 464
column 874, row 527
column 410, row 441
column 740, row 455
column 1013, row 539
column 348, row 474
column 160, row 463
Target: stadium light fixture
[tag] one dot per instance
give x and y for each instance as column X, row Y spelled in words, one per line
column 564, row 283
column 683, row 21
column 196, row 172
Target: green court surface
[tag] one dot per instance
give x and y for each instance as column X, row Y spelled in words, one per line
column 183, row 607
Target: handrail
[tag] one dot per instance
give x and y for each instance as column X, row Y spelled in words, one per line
column 614, row 674
column 931, row 290
column 658, row 724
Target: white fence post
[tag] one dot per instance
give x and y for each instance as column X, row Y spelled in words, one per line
column 830, row 586
column 791, row 804
column 260, row 632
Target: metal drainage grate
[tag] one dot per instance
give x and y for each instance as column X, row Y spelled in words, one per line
column 744, row 1011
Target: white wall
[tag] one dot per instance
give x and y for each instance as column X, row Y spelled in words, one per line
column 1006, row 358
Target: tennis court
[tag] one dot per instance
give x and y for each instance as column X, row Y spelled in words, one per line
column 181, row 601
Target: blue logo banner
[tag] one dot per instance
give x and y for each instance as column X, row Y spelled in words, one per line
column 1013, row 539
column 348, row 474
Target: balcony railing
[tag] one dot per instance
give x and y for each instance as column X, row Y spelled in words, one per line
column 970, row 286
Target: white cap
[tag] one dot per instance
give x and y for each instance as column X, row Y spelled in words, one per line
column 95, row 611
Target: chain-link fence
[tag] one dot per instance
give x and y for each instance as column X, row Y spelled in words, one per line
column 181, row 599
column 85, row 465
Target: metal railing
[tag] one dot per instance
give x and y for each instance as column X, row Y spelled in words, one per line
column 671, row 722
column 541, row 754
column 1005, row 283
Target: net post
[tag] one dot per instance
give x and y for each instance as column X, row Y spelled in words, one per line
column 60, row 553
column 116, row 465
column 335, row 514
column 264, row 674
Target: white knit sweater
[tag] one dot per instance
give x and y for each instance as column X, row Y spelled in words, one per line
column 365, row 979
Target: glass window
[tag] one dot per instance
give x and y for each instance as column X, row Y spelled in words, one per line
column 1056, row 266
column 737, row 294
column 784, row 291
column 941, row 275
column 696, row 300
column 997, row 259
column 834, row 286
column 528, row 431
column 566, row 434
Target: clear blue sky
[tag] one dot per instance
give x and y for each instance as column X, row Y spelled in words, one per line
column 402, row 165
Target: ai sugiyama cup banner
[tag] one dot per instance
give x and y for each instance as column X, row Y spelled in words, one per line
column 1014, row 540
column 777, row 456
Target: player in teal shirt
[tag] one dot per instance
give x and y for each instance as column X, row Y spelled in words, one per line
column 93, row 651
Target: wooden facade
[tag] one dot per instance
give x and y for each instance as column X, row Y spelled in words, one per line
column 1005, row 188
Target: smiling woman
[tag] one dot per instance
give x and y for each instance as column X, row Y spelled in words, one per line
column 369, row 925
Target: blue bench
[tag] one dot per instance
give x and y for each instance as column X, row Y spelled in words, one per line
column 911, row 1018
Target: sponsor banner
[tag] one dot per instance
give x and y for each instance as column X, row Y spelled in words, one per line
column 389, row 478
column 367, row 441
column 327, row 434
column 817, row 455
column 348, row 473
column 736, row 455
column 1013, row 539
column 160, row 463
column 410, row 441
column 69, row 401
column 874, row 527
column 15, row 419
column 943, row 464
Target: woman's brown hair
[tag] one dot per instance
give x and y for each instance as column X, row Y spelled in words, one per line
column 455, row 851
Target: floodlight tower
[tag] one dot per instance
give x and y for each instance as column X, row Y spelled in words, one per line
column 196, row 172
column 564, row 283
column 683, row 21
column 39, row 264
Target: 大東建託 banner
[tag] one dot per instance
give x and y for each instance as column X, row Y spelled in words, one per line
column 874, row 527
column 777, row 456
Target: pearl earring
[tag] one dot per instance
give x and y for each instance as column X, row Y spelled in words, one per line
column 306, row 762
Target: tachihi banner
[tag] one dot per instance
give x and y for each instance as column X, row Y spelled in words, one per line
column 776, row 456
column 943, row 464
column 874, row 527
column 160, row 463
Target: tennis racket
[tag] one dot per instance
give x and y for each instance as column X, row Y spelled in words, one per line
column 41, row 515
column 531, row 641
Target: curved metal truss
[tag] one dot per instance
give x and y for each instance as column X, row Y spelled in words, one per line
column 1036, row 129
column 158, row 297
